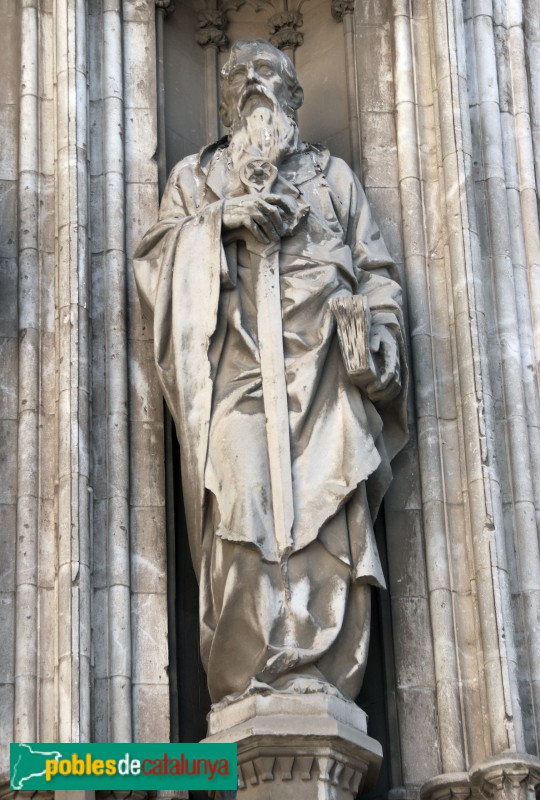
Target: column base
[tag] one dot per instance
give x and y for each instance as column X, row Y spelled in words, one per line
column 506, row 776
column 304, row 747
column 449, row 786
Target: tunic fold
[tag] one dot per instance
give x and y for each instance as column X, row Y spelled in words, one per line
column 200, row 289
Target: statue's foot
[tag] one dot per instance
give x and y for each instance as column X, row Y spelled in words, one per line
column 292, row 683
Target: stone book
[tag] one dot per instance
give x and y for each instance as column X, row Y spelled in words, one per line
column 353, row 325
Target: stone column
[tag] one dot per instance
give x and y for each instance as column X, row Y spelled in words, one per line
column 343, row 11
column 85, row 551
column 10, row 63
column 26, row 560
column 73, row 372
column 129, row 575
column 147, row 567
column 432, row 469
column 211, row 37
column 462, row 118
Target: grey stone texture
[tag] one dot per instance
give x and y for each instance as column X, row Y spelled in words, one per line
column 298, row 747
column 234, row 437
column 441, row 117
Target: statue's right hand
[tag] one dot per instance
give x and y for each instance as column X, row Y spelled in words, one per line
column 255, row 215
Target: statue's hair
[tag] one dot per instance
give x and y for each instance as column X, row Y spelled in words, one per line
column 288, row 72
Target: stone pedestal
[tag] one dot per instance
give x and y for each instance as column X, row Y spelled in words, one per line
column 303, row 747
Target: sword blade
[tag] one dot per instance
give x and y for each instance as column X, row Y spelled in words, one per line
column 258, row 176
column 274, row 387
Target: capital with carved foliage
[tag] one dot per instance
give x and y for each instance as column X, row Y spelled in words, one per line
column 284, row 31
column 166, row 5
column 342, row 7
column 212, row 24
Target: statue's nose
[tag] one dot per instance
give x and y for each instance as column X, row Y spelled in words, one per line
column 252, row 75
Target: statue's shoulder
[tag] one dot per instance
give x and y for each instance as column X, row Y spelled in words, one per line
column 339, row 172
column 196, row 163
column 331, row 166
column 187, row 164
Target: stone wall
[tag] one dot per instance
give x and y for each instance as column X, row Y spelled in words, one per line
column 83, row 622
column 9, row 337
column 436, row 104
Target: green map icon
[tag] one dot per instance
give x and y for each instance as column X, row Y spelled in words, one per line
column 30, row 763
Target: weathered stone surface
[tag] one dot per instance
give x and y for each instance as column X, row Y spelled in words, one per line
column 148, row 571
column 298, row 747
column 7, row 627
column 228, row 451
column 150, row 639
column 451, row 786
column 149, row 726
column 8, row 461
column 459, row 213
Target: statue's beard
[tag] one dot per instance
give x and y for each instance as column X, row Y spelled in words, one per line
column 261, row 129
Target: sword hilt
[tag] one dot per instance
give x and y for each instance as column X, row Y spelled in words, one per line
column 258, row 175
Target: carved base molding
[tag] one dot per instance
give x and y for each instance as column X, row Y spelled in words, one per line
column 298, row 747
column 317, row 747
column 449, row 786
column 8, row 794
column 508, row 776
column 515, row 776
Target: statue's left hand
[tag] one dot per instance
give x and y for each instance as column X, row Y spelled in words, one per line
column 385, row 350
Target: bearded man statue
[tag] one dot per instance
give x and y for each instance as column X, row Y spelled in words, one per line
column 280, row 611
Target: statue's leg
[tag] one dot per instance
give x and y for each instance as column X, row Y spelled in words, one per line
column 236, row 610
column 257, row 628
column 344, row 664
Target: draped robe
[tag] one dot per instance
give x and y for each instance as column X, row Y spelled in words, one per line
column 299, row 625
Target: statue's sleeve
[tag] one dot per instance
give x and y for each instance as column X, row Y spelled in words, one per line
column 376, row 279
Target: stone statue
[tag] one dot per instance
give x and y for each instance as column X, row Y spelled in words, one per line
column 278, row 344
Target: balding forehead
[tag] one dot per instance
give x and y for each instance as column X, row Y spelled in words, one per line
column 249, row 51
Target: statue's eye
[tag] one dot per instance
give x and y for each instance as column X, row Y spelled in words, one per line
column 236, row 79
column 265, row 70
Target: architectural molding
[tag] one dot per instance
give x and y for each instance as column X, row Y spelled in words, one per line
column 297, row 748
column 166, row 5
column 510, row 776
column 284, row 30
column 341, row 8
column 135, row 795
column 6, row 793
column 313, row 771
column 283, row 23
column 212, row 25
column 81, row 501
column 449, row 786
column 449, row 166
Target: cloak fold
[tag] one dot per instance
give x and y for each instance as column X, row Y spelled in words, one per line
column 198, row 293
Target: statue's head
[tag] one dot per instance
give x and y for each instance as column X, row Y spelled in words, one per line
column 257, row 69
